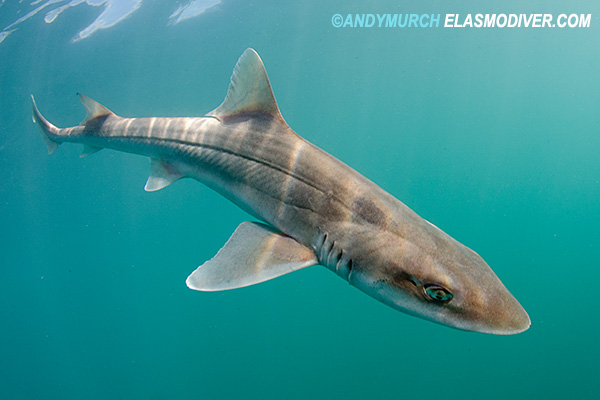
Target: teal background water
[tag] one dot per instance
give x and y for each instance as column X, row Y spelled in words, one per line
column 491, row 134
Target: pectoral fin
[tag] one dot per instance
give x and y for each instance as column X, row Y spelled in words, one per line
column 255, row 253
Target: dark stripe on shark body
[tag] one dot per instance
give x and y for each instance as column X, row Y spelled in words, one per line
column 93, row 125
column 364, row 210
column 267, row 164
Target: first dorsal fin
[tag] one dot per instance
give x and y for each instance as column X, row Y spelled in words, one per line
column 249, row 90
column 93, row 108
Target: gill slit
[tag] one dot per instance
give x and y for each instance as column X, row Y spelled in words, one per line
column 332, row 256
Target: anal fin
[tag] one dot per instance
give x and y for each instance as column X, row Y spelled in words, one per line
column 255, row 253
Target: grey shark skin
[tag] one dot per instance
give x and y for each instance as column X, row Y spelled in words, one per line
column 318, row 210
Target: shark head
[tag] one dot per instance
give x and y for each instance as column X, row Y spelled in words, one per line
column 450, row 285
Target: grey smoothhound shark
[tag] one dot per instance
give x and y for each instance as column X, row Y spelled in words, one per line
column 318, row 210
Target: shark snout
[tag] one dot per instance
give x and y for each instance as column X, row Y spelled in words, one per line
column 503, row 315
column 514, row 320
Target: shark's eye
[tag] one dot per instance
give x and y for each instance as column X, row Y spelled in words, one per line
column 437, row 293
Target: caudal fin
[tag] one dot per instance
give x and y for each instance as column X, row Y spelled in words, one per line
column 47, row 129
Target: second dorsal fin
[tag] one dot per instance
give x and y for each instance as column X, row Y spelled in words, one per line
column 93, row 109
column 249, row 90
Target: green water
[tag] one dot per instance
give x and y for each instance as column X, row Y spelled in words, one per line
column 491, row 134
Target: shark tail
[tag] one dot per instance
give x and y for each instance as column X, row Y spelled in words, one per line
column 49, row 132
